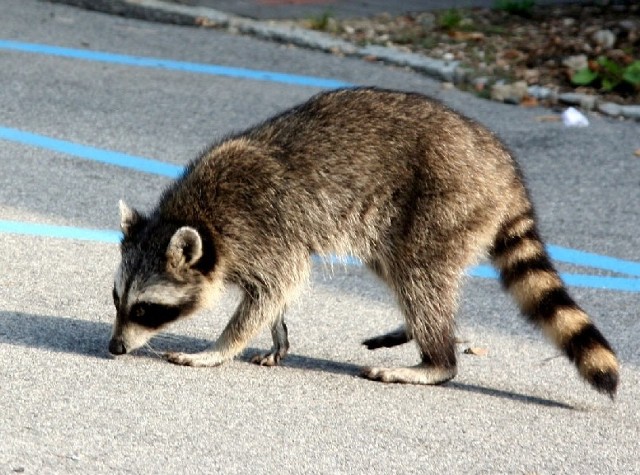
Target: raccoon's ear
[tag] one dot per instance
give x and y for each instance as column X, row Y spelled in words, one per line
column 129, row 218
column 185, row 248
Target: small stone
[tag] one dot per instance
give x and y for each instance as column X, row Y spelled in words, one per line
column 520, row 88
column 509, row 93
column 588, row 102
column 531, row 76
column 448, row 57
column 447, row 86
column 499, row 92
column 348, row 29
column 631, row 112
column 539, row 92
column 610, row 108
column 573, row 98
column 575, row 63
column 604, row 38
column 637, row 153
column 566, row 22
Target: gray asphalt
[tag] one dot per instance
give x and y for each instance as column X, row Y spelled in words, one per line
column 286, row 9
column 69, row 408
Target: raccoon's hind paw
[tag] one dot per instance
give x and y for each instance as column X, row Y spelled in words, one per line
column 203, row 359
column 419, row 374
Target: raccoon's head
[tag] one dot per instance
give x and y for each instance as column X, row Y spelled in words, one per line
column 165, row 274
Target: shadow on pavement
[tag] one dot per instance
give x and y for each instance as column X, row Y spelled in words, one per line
column 472, row 388
column 71, row 335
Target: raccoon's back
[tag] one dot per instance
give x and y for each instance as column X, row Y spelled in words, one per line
column 369, row 135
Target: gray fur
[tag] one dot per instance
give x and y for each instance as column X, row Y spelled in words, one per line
column 415, row 190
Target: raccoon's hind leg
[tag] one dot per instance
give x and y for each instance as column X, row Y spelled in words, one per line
column 426, row 289
column 280, row 345
column 396, row 337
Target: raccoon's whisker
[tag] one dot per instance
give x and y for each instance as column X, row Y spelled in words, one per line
column 153, row 350
column 167, row 336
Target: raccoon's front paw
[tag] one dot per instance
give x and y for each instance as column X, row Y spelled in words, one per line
column 194, row 359
column 268, row 359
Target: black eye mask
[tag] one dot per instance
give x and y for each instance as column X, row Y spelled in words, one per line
column 153, row 315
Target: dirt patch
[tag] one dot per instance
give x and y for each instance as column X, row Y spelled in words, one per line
column 570, row 48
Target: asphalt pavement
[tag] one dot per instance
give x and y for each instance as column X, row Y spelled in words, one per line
column 94, row 108
column 304, row 9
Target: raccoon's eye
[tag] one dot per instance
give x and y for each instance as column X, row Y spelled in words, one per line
column 138, row 311
column 153, row 315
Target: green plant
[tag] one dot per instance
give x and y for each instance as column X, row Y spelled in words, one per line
column 515, row 7
column 321, row 22
column 450, row 19
column 608, row 74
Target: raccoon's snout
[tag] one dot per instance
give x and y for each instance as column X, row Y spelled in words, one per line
column 116, row 347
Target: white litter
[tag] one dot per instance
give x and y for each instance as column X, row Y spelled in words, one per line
column 572, row 117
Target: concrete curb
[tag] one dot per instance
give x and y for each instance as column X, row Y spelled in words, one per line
column 157, row 10
column 450, row 71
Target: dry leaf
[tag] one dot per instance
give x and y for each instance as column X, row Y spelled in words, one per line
column 548, row 118
column 477, row 351
column 529, row 101
column 466, row 35
column 637, row 153
column 205, row 22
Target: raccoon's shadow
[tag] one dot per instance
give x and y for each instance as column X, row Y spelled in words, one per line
column 64, row 334
column 87, row 338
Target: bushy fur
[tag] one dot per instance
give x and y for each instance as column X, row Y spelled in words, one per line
column 415, row 190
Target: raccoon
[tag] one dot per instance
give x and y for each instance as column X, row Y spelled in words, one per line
column 412, row 188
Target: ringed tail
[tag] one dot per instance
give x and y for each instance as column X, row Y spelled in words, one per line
column 527, row 273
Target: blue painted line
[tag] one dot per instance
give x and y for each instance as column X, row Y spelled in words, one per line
column 147, row 165
column 167, row 64
column 481, row 271
column 582, row 258
column 62, row 232
column 484, row 272
column 124, row 160
column 574, row 280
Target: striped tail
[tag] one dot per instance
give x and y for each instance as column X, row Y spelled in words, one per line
column 528, row 274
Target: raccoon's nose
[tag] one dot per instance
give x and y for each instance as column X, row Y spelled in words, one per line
column 116, row 347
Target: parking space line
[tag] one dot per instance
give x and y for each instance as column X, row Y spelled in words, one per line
column 60, row 232
column 168, row 64
column 481, row 271
column 147, row 165
column 574, row 256
column 123, row 160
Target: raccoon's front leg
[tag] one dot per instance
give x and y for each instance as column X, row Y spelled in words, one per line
column 250, row 316
column 280, row 345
